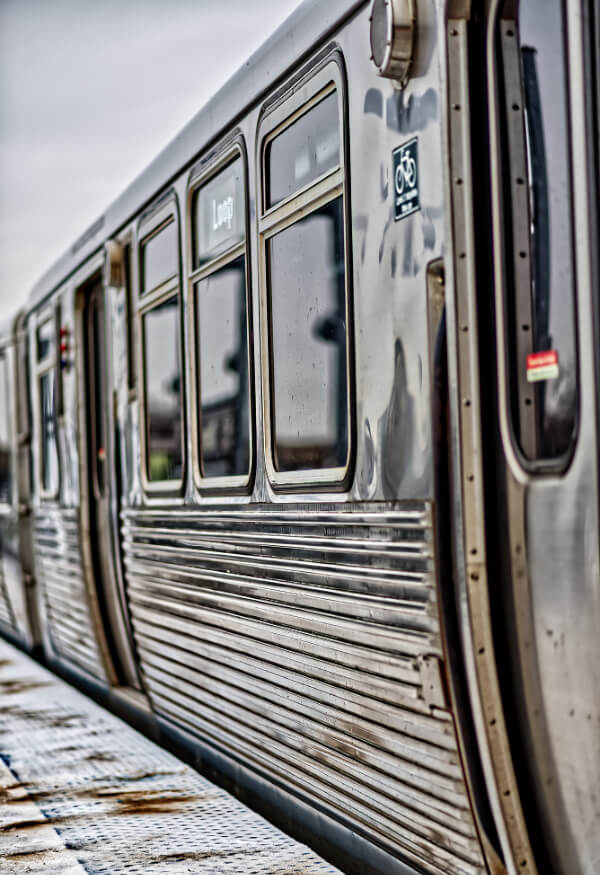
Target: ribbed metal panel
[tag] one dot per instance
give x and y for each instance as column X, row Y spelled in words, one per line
column 290, row 637
column 59, row 571
column 6, row 612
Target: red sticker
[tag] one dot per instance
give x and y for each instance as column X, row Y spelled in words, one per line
column 542, row 366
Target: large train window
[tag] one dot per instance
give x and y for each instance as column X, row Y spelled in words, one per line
column 220, row 307
column 303, row 235
column 46, row 377
column 5, row 433
column 160, row 322
column 540, row 291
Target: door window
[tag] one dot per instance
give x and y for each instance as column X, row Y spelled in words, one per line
column 46, row 382
column 541, row 286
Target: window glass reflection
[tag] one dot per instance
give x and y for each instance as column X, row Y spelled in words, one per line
column 45, row 340
column 305, row 150
column 5, row 435
column 160, row 257
column 219, row 221
column 223, row 371
column 308, row 342
column 48, row 432
column 543, row 59
column 98, row 352
column 162, row 374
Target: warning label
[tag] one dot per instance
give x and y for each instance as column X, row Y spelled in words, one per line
column 406, row 179
column 542, row 366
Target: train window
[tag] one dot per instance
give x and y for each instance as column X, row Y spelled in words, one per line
column 307, row 290
column 220, row 299
column 5, row 434
column 162, row 385
column 160, row 257
column 541, row 295
column 45, row 339
column 160, row 351
column 49, row 454
column 307, row 149
column 222, row 337
column 219, row 214
column 46, row 374
column 307, row 297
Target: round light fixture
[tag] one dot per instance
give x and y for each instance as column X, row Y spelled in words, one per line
column 392, row 37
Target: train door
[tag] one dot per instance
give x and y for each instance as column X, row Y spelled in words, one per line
column 526, row 415
column 102, row 484
column 14, row 607
column 545, row 468
column 525, row 390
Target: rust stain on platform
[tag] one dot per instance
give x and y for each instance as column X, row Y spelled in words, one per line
column 81, row 792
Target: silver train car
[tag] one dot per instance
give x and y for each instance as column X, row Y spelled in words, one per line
column 299, row 448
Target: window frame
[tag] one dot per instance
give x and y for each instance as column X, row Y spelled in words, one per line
column 199, row 177
column 44, row 366
column 149, row 225
column 317, row 84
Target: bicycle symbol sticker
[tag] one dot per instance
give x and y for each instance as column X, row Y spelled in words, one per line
column 406, row 179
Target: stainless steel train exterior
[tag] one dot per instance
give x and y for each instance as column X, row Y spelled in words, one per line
column 299, row 448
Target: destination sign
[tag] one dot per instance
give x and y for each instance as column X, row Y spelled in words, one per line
column 219, row 214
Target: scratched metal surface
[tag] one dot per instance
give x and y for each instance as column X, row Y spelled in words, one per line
column 80, row 791
column 293, row 637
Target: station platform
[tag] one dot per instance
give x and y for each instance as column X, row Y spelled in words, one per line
column 83, row 792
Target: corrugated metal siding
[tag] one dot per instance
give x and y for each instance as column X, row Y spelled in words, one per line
column 288, row 636
column 59, row 571
column 6, row 612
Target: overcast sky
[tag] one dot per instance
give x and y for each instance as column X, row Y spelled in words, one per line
column 90, row 92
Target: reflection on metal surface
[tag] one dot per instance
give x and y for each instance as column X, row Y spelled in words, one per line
column 396, row 426
column 292, row 638
column 75, row 777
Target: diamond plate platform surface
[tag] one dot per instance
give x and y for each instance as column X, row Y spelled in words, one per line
column 83, row 792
